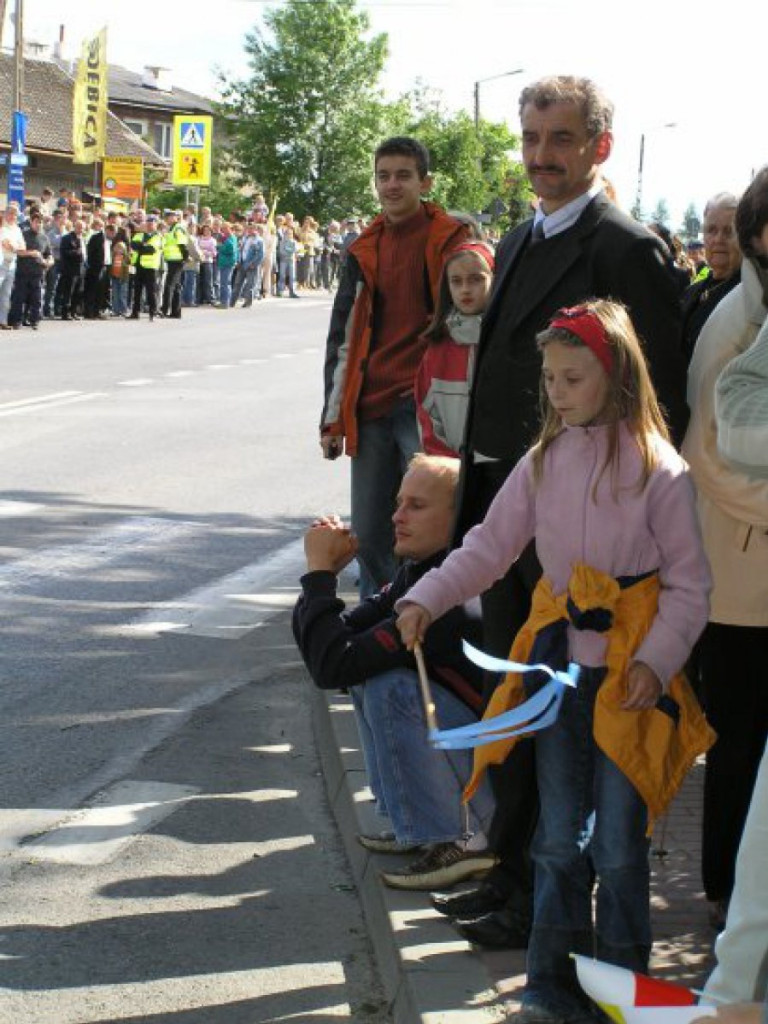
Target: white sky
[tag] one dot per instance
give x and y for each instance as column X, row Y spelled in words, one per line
column 699, row 65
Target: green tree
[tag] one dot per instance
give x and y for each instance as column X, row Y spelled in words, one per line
column 472, row 167
column 661, row 213
column 691, row 224
column 304, row 125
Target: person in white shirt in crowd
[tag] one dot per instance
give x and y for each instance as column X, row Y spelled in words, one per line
column 11, row 243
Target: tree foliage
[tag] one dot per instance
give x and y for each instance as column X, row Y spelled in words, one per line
column 661, row 214
column 307, row 120
column 472, row 166
column 691, row 224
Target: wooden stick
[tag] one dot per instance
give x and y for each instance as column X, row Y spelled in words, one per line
column 426, row 690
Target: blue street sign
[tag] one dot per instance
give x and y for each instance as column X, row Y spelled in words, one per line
column 18, row 159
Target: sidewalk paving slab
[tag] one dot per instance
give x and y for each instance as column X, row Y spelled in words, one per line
column 430, row 974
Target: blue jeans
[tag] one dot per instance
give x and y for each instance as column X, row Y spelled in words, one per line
column 384, row 449
column 119, row 296
column 590, row 811
column 7, row 275
column 287, row 275
column 224, row 277
column 417, row 787
column 189, row 287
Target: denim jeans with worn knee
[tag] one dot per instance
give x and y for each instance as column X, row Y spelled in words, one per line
column 590, row 811
column 7, row 276
column 417, row 787
column 385, row 446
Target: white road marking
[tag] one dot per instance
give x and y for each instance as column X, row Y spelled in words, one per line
column 49, row 402
column 99, row 548
column 251, row 362
column 231, row 606
column 94, row 835
column 139, row 382
column 284, row 355
column 17, row 508
column 37, row 401
column 220, row 366
column 180, row 373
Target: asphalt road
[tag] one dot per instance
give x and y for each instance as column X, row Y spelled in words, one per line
column 166, row 850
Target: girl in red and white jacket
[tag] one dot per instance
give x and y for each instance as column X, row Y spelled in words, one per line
column 445, row 374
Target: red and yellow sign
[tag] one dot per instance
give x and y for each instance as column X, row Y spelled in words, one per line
column 122, row 177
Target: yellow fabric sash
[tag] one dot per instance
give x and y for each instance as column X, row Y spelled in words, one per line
column 653, row 748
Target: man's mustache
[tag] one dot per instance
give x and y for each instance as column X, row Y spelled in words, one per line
column 545, row 169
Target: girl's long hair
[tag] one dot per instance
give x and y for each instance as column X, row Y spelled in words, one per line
column 631, row 395
column 437, row 329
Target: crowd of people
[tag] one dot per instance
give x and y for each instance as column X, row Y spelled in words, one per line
column 62, row 260
column 572, row 427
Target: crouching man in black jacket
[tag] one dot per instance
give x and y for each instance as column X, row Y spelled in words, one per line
column 415, row 786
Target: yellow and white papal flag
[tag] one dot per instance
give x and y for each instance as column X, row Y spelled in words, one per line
column 89, row 104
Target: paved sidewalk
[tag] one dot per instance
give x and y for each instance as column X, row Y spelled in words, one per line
column 432, row 976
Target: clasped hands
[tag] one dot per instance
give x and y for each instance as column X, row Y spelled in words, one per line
column 329, row 545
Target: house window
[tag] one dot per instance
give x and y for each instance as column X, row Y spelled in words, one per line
column 137, row 127
column 163, row 134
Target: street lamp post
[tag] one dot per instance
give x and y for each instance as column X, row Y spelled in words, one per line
column 639, row 196
column 491, row 78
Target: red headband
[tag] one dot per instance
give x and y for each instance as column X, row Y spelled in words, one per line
column 480, row 248
column 587, row 327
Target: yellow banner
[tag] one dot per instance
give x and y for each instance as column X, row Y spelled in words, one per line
column 192, row 145
column 122, row 176
column 89, row 113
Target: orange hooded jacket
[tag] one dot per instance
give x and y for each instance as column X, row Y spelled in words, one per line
column 351, row 330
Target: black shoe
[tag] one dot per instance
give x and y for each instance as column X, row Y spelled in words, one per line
column 132, row 316
column 501, row 929
column 471, row 904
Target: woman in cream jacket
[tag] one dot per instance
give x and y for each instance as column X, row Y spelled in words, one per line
column 733, row 509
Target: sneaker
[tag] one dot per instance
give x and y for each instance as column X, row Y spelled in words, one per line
column 440, row 866
column 386, row 842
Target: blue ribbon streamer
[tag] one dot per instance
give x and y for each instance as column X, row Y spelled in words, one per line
column 537, row 713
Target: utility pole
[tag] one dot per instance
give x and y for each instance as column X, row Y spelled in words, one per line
column 18, row 52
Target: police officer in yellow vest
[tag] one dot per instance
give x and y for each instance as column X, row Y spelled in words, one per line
column 175, row 251
column 146, row 250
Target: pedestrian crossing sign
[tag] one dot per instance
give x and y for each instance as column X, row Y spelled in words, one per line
column 192, row 143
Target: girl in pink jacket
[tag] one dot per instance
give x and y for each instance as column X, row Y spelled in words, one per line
column 624, row 594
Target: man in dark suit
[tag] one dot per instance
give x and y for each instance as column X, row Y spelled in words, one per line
column 577, row 246
column 72, row 263
column 98, row 260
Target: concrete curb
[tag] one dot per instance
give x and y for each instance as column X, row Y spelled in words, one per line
column 430, row 974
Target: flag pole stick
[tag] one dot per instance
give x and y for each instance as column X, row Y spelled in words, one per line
column 426, row 691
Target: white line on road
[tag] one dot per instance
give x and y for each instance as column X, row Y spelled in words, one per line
column 94, row 835
column 100, row 548
column 231, row 606
column 18, row 508
column 220, row 366
column 251, row 362
column 139, row 382
column 180, row 373
column 41, row 398
column 284, row 355
column 51, row 403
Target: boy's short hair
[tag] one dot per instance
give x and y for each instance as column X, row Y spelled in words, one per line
column 404, row 145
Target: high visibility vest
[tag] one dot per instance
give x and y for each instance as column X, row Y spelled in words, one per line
column 173, row 239
column 148, row 261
